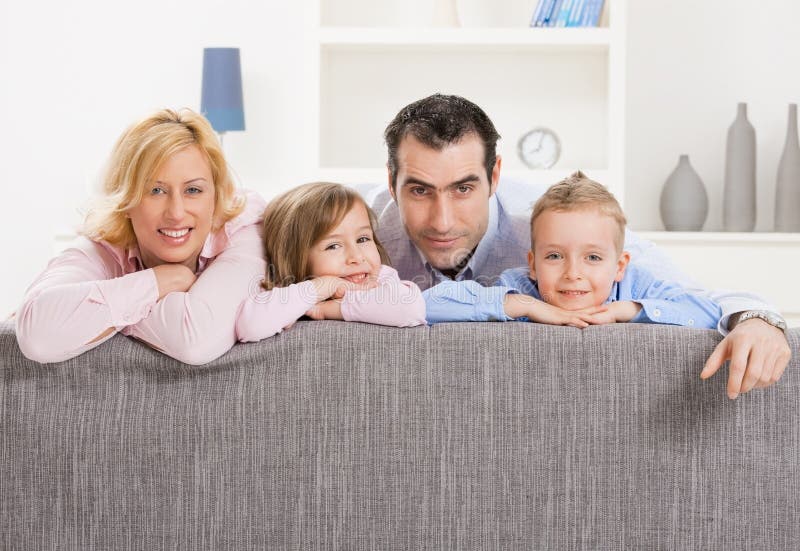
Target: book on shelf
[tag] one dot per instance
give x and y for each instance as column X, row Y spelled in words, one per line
column 567, row 13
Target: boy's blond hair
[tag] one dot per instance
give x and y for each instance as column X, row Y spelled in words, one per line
column 578, row 192
column 138, row 155
column 297, row 220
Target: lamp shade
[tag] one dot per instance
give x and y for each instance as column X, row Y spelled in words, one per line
column 221, row 101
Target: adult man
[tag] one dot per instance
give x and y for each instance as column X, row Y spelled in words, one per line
column 442, row 217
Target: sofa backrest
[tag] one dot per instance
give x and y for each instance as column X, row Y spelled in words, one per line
column 340, row 435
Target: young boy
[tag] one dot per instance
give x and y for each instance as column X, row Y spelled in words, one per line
column 577, row 273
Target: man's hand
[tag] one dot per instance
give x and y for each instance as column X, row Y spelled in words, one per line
column 173, row 278
column 758, row 354
column 326, row 310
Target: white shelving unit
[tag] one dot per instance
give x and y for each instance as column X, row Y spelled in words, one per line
column 364, row 65
column 762, row 263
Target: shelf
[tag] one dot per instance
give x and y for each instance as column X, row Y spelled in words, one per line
column 722, row 238
column 579, row 38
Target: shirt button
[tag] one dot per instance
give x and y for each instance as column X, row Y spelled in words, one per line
column 691, row 322
column 656, row 312
column 126, row 317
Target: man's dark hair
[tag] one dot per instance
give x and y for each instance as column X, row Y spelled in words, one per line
column 438, row 121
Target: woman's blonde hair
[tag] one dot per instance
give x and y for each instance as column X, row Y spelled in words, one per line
column 297, row 220
column 138, row 155
column 577, row 192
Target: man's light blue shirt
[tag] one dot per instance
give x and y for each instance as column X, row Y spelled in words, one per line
column 662, row 301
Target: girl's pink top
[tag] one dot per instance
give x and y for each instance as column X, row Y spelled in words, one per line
column 93, row 286
column 393, row 302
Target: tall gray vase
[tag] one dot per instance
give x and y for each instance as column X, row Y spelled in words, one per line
column 684, row 201
column 739, row 195
column 787, row 188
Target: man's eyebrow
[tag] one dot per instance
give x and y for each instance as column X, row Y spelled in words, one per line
column 466, row 179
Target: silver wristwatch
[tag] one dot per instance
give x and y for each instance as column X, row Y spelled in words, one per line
column 770, row 317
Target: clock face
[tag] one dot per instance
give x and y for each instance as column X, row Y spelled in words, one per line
column 539, row 148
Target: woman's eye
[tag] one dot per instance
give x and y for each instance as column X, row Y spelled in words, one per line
column 157, row 191
column 332, row 247
column 364, row 239
column 193, row 190
column 594, row 258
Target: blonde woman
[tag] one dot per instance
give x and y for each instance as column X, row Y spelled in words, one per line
column 167, row 252
column 325, row 262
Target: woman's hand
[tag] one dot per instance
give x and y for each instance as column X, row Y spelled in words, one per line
column 173, row 278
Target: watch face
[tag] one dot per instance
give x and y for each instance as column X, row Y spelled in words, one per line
column 539, row 148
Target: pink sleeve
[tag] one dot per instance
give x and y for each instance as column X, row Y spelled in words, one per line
column 76, row 299
column 393, row 302
column 269, row 312
column 198, row 326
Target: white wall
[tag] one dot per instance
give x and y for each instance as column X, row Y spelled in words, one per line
column 74, row 74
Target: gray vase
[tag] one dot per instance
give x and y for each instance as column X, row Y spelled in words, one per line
column 684, row 201
column 787, row 188
column 739, row 194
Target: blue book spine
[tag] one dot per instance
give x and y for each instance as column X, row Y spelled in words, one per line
column 593, row 17
column 563, row 13
column 547, row 5
column 537, row 13
column 550, row 21
column 586, row 12
column 574, row 18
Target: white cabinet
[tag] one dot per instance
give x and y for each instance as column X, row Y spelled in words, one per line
column 368, row 59
column 764, row 263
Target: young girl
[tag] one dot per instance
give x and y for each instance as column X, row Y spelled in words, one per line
column 324, row 261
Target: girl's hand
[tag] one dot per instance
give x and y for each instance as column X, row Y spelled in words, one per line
column 328, row 287
column 326, row 310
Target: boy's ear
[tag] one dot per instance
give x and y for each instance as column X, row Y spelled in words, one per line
column 532, row 272
column 622, row 263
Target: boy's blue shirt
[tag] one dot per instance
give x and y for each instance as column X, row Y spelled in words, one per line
column 662, row 301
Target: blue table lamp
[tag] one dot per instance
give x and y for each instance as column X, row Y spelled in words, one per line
column 221, row 101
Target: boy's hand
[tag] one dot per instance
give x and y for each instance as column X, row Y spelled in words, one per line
column 621, row 311
column 517, row 306
column 326, row 310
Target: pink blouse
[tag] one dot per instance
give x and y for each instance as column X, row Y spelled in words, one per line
column 393, row 302
column 93, row 286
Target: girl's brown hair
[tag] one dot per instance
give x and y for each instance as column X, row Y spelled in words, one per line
column 135, row 160
column 298, row 219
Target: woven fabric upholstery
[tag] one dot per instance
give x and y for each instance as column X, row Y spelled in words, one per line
column 348, row 436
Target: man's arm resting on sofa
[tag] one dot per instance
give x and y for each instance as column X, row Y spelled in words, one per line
column 758, row 354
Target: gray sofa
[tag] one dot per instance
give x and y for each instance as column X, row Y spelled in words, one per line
column 349, row 436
